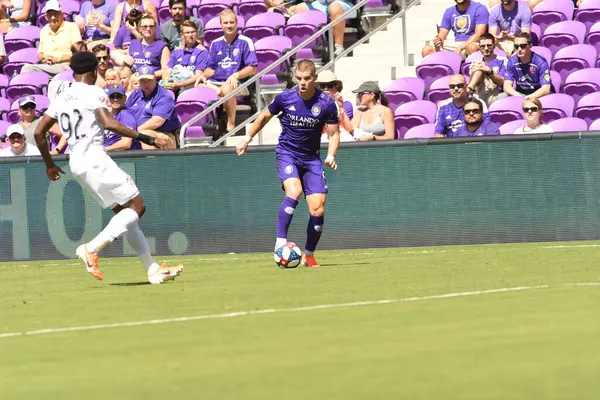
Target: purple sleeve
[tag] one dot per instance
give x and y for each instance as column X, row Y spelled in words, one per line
column 502, row 68
column 349, row 109
column 276, row 105
column 509, row 74
column 333, row 116
column 481, row 15
column 129, row 121
column 202, row 61
column 446, row 19
column 118, row 42
column 110, row 14
column 172, row 60
column 250, row 55
column 163, row 107
column 545, row 78
column 212, row 62
column 526, row 17
column 85, row 9
column 439, row 123
column 493, row 18
column 492, row 129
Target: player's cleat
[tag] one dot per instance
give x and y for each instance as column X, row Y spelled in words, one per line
column 164, row 273
column 309, row 261
column 90, row 260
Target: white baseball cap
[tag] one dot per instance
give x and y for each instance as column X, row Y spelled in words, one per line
column 15, row 128
column 52, row 5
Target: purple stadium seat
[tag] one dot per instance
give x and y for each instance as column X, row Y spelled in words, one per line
column 190, row 103
column 464, row 69
column 4, row 108
column 588, row 108
column 595, row 126
column 413, row 114
column 570, row 124
column 303, row 25
column 437, row 65
column 248, row 8
column 557, row 106
column 506, row 109
column 588, row 13
column 19, row 58
column 208, row 9
column 544, row 52
column 3, row 128
column 536, row 34
column 563, row 34
column 593, row 36
column 213, row 30
column 65, row 76
column 268, row 51
column 264, row 25
column 573, row 58
column 509, row 128
column 582, row 82
column 21, row 38
column 163, row 11
column 439, row 90
column 556, row 81
column 42, row 105
column 404, row 90
column 549, row 12
column 424, row 131
column 25, row 84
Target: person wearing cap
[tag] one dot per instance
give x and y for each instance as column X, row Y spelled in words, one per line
column 56, row 38
column 232, row 59
column 116, row 99
column 18, row 144
column 154, row 109
column 375, row 120
column 328, row 82
column 29, row 121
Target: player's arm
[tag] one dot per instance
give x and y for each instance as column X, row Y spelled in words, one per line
column 260, row 122
column 333, row 131
column 40, row 139
column 108, row 122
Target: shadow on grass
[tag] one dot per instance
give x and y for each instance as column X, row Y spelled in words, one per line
column 130, row 283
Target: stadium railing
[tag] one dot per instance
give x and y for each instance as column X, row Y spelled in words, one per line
column 255, row 80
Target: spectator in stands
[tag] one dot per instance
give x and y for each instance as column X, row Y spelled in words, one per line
column 148, row 51
column 508, row 19
column 154, row 109
column 78, row 46
column 16, row 13
column 102, row 54
column 329, row 83
column 170, row 30
column 56, row 38
column 468, row 20
column 532, row 109
column 528, row 70
column 375, row 120
column 333, row 9
column 124, row 75
column 28, row 120
column 111, row 76
column 232, row 59
column 123, row 9
column 475, row 123
column 487, row 74
column 285, row 7
column 94, row 20
column 128, row 31
column 134, row 83
column 112, row 141
column 18, row 144
column 188, row 62
column 531, row 3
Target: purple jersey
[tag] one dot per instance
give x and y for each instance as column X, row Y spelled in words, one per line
column 127, row 119
column 463, row 24
column 146, row 54
column 302, row 121
column 528, row 77
column 486, row 128
column 450, row 118
column 123, row 38
column 512, row 21
column 227, row 59
column 194, row 59
column 104, row 13
column 159, row 104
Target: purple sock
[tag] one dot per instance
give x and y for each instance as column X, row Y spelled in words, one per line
column 285, row 215
column 313, row 232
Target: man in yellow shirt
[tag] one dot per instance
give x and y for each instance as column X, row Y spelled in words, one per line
column 56, row 39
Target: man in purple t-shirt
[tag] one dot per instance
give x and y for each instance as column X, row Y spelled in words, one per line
column 508, row 19
column 475, row 123
column 113, row 141
column 94, row 20
column 468, row 20
column 232, row 59
column 304, row 112
column 487, row 74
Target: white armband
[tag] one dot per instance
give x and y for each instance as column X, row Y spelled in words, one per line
column 247, row 138
column 329, row 158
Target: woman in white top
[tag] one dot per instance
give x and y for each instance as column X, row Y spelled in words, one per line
column 375, row 121
column 532, row 109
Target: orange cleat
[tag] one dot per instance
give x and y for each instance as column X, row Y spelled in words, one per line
column 309, row 261
column 90, row 260
column 165, row 273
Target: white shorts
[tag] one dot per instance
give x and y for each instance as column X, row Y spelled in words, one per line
column 106, row 182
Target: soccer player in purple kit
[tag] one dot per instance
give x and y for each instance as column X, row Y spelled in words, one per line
column 305, row 111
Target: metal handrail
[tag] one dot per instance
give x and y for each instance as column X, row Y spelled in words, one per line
column 256, row 77
column 400, row 14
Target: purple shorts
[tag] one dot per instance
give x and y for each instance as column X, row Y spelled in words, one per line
column 310, row 173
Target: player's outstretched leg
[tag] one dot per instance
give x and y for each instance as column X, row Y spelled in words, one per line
column 316, row 207
column 284, row 220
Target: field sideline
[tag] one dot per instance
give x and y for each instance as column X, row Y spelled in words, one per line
column 462, row 322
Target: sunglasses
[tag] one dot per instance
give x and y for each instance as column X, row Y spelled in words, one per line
column 474, row 111
column 329, row 85
column 28, row 106
column 15, row 136
column 530, row 109
column 103, row 58
column 456, row 86
column 485, row 46
column 147, row 26
column 116, row 96
column 521, row 46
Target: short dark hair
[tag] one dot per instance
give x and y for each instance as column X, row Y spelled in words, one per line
column 173, row 2
column 189, row 24
column 78, row 46
column 523, row 35
column 306, row 65
column 134, row 17
column 475, row 101
column 487, row 36
column 100, row 48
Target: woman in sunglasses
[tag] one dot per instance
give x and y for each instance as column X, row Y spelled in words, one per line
column 148, row 50
column 375, row 121
column 532, row 109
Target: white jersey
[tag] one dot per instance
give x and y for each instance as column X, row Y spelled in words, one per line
column 74, row 109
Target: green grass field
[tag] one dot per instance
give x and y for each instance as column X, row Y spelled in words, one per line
column 540, row 342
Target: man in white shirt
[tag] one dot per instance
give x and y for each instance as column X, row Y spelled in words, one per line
column 81, row 111
column 15, row 136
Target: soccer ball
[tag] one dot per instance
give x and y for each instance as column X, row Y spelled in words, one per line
column 288, row 256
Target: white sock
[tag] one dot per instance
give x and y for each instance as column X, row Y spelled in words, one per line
column 118, row 225
column 137, row 240
column 280, row 242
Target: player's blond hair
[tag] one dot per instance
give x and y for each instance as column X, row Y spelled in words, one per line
column 227, row 12
column 306, row 65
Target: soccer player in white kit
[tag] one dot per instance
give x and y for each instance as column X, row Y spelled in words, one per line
column 82, row 113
